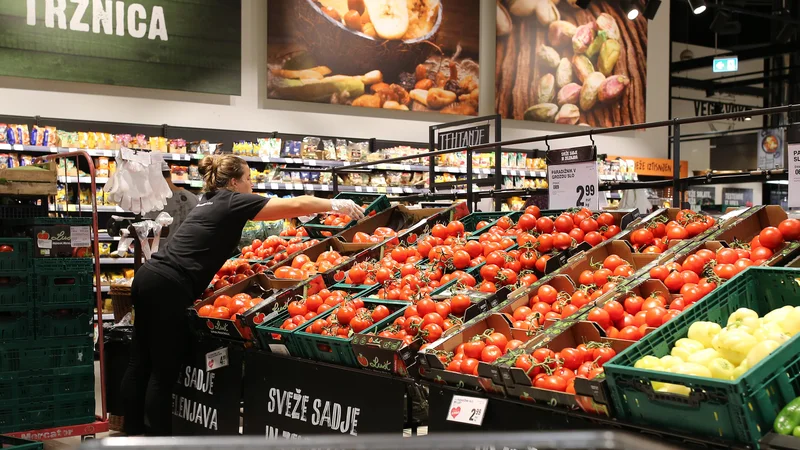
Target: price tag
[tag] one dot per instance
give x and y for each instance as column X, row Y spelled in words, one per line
column 311, row 162
column 279, row 349
column 573, row 185
column 381, row 190
column 80, row 236
column 794, row 175
column 18, row 147
column 359, row 189
column 217, row 359
column 5, row 146
column 274, row 186
column 196, row 183
column 298, row 186
column 469, row 410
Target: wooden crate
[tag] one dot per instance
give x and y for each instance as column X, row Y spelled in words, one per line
column 29, row 182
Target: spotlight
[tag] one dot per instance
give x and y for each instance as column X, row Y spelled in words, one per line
column 698, row 6
column 631, row 10
column 583, row 3
column 724, row 25
column 651, row 8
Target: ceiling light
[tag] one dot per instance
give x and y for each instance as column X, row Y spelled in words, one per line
column 651, row 8
column 583, row 3
column 723, row 24
column 631, row 10
column 698, row 6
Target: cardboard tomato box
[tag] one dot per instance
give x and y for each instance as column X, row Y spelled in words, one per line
column 523, row 297
column 433, row 368
column 399, row 218
column 750, row 223
column 592, row 396
column 335, row 274
column 641, row 262
column 241, row 326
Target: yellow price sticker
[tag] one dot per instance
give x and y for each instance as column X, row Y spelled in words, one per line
column 381, row 190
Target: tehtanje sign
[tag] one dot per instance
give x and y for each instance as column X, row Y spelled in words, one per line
column 160, row 44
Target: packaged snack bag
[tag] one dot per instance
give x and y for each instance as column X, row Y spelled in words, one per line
column 25, row 160
column 3, row 137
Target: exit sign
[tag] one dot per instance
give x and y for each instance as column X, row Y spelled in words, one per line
column 726, row 64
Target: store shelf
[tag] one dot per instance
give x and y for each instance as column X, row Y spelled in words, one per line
column 84, row 208
column 620, row 177
column 116, row 261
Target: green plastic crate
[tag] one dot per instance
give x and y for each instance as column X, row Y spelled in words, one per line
column 17, row 261
column 63, row 282
column 377, row 203
column 338, row 350
column 16, row 291
column 38, row 383
column 60, row 323
column 47, row 412
column 742, row 410
column 52, row 354
column 9, row 443
column 271, row 333
column 16, row 325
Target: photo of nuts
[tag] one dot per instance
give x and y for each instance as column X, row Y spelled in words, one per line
column 559, row 63
column 401, row 55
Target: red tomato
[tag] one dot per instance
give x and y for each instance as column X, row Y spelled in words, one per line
column 727, row 256
column 633, row 304
column 659, row 273
column 790, row 229
column 771, row 238
column 630, row 333
column 564, row 223
column 601, row 317
column 615, row 310
column 761, row 253
column 544, row 225
column 490, row 353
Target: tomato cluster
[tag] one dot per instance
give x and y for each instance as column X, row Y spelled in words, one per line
column 225, row 307
column 302, row 310
column 549, row 303
column 303, row 267
column 349, row 318
column 486, row 347
column 556, row 371
column 232, row 272
column 294, row 232
column 654, row 238
column 275, row 246
column 379, row 235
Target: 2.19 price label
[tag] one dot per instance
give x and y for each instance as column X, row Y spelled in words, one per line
column 573, row 185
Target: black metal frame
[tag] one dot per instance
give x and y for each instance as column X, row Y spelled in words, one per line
column 678, row 184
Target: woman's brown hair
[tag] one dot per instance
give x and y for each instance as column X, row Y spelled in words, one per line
column 219, row 170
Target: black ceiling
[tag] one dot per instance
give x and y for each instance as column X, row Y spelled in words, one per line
column 685, row 27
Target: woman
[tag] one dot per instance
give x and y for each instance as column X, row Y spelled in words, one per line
column 177, row 275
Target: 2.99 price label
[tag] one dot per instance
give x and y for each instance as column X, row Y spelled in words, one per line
column 469, row 410
column 573, row 185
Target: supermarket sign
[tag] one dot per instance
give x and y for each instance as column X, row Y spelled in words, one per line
column 463, row 137
column 161, row 44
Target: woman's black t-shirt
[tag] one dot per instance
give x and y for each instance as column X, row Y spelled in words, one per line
column 206, row 239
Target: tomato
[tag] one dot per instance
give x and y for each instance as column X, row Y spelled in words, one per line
column 533, row 210
column 601, row 317
column 564, row 223
column 490, row 353
column 221, row 312
column 545, row 355
column 674, row 281
column 761, row 253
column 552, row 382
column 541, row 263
column 726, row 256
column 695, row 228
column 695, row 263
column 473, row 348
column 705, row 254
column 630, row 333
column 459, row 304
column 706, row 286
column 725, row 271
column 455, row 228
column 659, row 273
column 742, row 264
column 489, row 272
column 624, row 270
column 544, row 225
column 642, row 237
column 613, row 261
column 588, row 225
column 562, row 241
column 526, row 222
column 689, row 277
column 440, row 231
column 473, row 248
column 790, row 229
column 771, row 238
column 469, row 365
column 633, row 304
column 671, row 314
column 743, row 253
column 601, row 276
column 544, row 243
column 497, row 339
column 615, row 310
column 573, row 358
column 504, row 223
column 678, row 304
column 593, row 238
column 454, row 366
column 691, row 294
column 205, row 311
column 547, row 294
column 603, row 354
column 579, row 299
column 380, row 312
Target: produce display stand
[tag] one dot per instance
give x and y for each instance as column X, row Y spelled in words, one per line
column 100, row 424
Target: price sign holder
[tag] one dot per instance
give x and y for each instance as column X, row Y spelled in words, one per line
column 794, row 175
column 469, row 410
column 572, row 178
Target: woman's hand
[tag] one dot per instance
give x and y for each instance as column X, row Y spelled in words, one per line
column 347, row 207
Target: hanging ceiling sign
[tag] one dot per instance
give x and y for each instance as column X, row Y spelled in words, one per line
column 463, row 137
column 705, row 108
column 572, row 177
column 729, row 64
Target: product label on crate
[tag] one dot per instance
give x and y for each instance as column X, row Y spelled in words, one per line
column 794, row 175
column 80, row 236
column 285, row 399
column 217, row 359
column 469, row 410
column 206, row 401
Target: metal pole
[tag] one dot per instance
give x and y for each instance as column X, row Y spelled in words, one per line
column 469, row 180
column 498, row 159
column 335, row 177
column 431, row 164
column 676, row 165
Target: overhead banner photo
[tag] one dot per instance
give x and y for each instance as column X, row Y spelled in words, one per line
column 408, row 55
column 557, row 62
column 160, row 44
